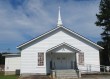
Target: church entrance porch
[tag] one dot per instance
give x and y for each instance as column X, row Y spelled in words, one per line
column 63, row 65
column 61, row 57
column 63, row 60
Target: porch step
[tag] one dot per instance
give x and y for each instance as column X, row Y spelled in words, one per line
column 66, row 74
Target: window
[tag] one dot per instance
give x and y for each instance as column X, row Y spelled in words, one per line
column 81, row 58
column 40, row 59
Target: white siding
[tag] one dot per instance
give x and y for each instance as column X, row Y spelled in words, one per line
column 29, row 54
column 12, row 63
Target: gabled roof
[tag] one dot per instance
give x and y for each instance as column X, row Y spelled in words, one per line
column 63, row 44
column 68, row 30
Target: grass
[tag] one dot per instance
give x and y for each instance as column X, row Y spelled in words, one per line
column 8, row 76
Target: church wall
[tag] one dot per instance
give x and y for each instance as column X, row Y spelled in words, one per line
column 29, row 55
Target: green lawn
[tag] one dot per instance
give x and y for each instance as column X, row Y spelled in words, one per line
column 8, row 77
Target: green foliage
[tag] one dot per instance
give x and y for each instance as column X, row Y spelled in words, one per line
column 104, row 14
column 2, row 59
column 103, row 20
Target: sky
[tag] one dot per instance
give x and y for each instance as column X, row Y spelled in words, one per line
column 22, row 20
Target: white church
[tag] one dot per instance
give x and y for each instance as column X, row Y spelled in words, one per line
column 57, row 49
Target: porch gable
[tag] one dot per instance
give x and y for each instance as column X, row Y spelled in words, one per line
column 63, row 48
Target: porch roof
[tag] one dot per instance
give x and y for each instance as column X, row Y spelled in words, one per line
column 64, row 44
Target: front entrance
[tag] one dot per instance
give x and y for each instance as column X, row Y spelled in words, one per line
column 61, row 57
column 60, row 61
column 63, row 60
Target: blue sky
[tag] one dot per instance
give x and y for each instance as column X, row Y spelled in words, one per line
column 22, row 20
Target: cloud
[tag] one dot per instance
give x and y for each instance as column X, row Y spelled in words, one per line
column 82, row 18
column 21, row 20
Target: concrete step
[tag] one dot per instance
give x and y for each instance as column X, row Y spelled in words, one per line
column 66, row 71
column 67, row 77
column 66, row 74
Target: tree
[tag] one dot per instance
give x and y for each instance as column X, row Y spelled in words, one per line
column 2, row 59
column 103, row 20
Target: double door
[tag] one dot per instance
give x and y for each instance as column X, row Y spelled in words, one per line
column 63, row 61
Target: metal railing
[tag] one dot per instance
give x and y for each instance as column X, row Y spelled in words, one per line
column 95, row 68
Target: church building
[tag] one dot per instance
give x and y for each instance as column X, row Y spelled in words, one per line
column 57, row 49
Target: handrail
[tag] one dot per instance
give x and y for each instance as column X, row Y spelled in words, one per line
column 89, row 67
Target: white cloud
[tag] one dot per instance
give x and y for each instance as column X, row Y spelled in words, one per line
column 81, row 18
column 22, row 22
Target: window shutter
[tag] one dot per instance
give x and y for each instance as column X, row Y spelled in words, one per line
column 81, row 58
